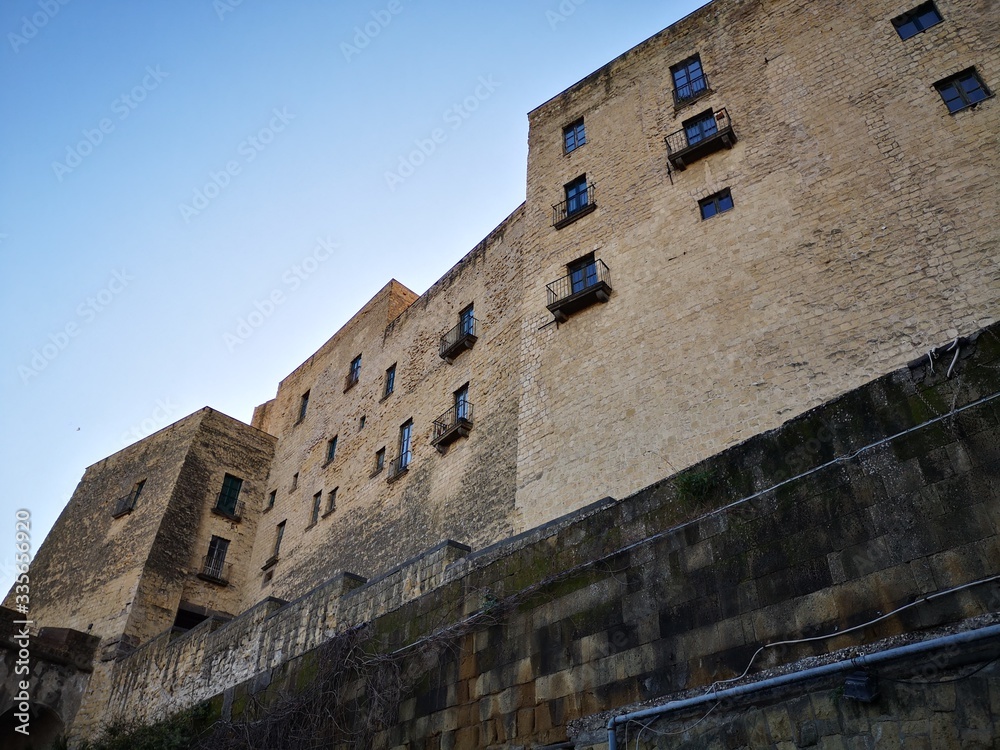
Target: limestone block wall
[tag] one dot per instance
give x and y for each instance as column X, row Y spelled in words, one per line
column 861, row 235
column 862, row 507
column 465, row 493
column 86, row 574
column 122, row 579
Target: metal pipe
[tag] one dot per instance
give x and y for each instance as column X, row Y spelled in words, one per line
column 968, row 636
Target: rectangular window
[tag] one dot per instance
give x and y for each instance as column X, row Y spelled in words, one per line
column 317, row 501
column 462, row 402
column 467, row 321
column 303, row 406
column 331, row 449
column 701, row 127
column 279, row 532
column 361, row 423
column 582, row 273
column 215, row 560
column 965, row 89
column 230, row 495
column 914, row 21
column 574, row 136
column 379, row 461
column 354, row 373
column 689, row 79
column 390, row 381
column 405, row 431
column 295, row 480
column 576, row 195
column 271, row 498
column 331, row 501
column 715, row 204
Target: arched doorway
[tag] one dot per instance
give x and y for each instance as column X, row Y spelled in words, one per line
column 44, row 727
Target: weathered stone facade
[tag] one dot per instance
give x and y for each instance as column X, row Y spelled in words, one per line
column 806, row 218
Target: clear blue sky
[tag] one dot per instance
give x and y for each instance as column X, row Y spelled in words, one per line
column 165, row 165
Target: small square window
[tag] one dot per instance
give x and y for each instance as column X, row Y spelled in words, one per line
column 331, row 449
column 962, row 90
column 574, row 136
column 390, row 381
column 689, row 80
column 914, row 21
column 303, row 406
column 716, row 204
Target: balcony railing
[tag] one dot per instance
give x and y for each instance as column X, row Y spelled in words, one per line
column 452, row 425
column 458, row 339
column 125, row 504
column 691, row 143
column 215, row 569
column 572, row 209
column 399, row 466
column 578, row 289
column 232, row 511
column 693, row 89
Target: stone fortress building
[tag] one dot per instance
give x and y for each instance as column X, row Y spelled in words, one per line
column 769, row 206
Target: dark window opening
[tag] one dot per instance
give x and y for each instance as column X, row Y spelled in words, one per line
column 271, row 498
column 303, row 406
column 962, row 90
column 582, row 273
column 354, row 373
column 295, row 481
column 228, row 503
column 331, row 449
column 405, row 432
column 715, row 204
column 576, row 195
column 279, row 532
column 379, row 461
column 390, row 381
column 701, row 127
column 317, row 501
column 914, row 21
column 462, row 402
column 574, row 136
column 214, row 564
column 331, row 501
column 689, row 80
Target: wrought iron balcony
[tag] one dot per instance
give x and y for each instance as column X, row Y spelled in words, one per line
column 125, row 504
column 458, row 339
column 573, row 208
column 695, row 88
column 399, row 466
column 452, row 425
column 230, row 510
column 215, row 569
column 578, row 289
column 699, row 137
